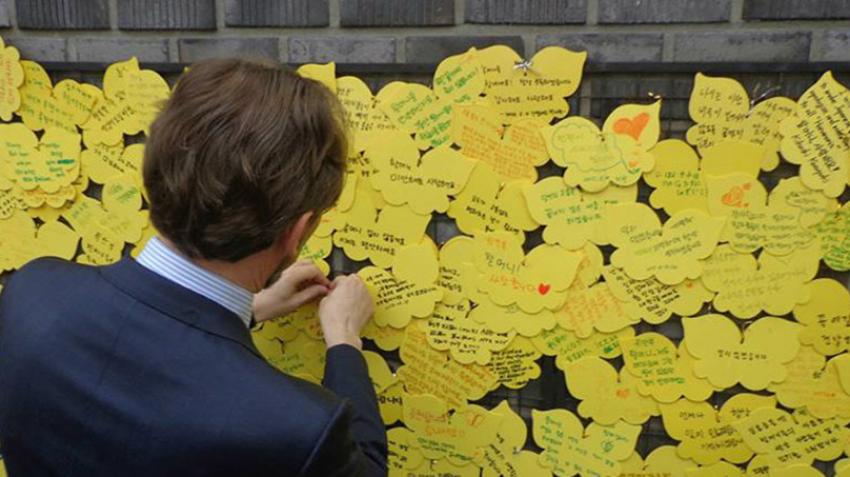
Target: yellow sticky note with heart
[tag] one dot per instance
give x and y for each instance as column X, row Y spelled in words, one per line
column 721, row 109
column 816, row 136
column 593, row 308
column 826, row 317
column 377, row 235
column 593, row 158
column 323, row 73
column 423, row 184
column 834, row 235
column 427, row 113
column 567, row 347
column 410, row 291
column 534, row 89
column 533, row 282
column 11, row 78
column 49, row 163
column 745, row 286
column 504, row 455
column 512, row 152
column 606, row 395
column 706, row 435
column 754, row 358
column 568, row 449
column 573, row 217
column 487, row 205
column 505, row 319
column 456, row 437
column 640, row 122
column 751, row 223
column 792, row 438
column 450, row 329
column 515, row 365
column 814, row 383
column 429, row 371
column 671, row 253
column 677, row 179
column 366, row 121
column 653, row 301
column 662, row 372
column 661, row 461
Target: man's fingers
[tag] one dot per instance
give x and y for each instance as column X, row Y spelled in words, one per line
column 308, row 272
column 310, row 294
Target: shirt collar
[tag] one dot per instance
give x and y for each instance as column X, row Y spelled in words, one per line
column 168, row 263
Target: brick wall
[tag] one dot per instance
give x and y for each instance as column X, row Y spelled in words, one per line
column 424, row 31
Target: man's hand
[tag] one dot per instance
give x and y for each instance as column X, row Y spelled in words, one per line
column 345, row 311
column 298, row 285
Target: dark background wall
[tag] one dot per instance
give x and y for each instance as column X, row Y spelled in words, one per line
column 425, row 31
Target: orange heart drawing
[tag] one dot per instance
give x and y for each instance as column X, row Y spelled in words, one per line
column 633, row 127
column 543, row 288
column 735, row 196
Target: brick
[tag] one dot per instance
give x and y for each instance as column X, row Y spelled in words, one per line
column 345, row 49
column 664, row 11
column 386, row 13
column 433, row 49
column 4, row 14
column 200, row 48
column 609, row 47
column 166, row 14
column 755, row 46
column 277, row 13
column 62, row 14
column 40, row 49
column 539, row 12
column 796, row 9
column 119, row 49
column 836, row 46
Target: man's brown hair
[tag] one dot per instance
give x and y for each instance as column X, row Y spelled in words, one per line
column 240, row 151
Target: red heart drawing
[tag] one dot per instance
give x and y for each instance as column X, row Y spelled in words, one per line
column 543, row 288
column 633, row 127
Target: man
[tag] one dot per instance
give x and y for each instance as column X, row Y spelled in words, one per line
column 147, row 367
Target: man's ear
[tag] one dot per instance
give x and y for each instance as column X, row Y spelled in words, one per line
column 292, row 239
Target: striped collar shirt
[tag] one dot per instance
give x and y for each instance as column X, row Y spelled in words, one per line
column 162, row 260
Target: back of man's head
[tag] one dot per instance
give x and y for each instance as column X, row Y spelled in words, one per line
column 240, row 151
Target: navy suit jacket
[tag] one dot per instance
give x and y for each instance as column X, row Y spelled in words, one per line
column 117, row 371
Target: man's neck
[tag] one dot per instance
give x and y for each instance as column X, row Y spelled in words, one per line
column 242, row 272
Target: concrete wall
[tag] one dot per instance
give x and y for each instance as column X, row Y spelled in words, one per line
column 425, row 31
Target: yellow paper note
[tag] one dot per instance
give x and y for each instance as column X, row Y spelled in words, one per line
column 677, row 179
column 512, row 152
column 745, row 286
column 457, row 270
column 568, row 449
column 450, row 329
column 706, row 435
column 504, row 455
column 486, row 205
column 653, row 301
column 366, row 121
column 515, row 365
column 456, row 437
column 661, row 372
column 755, row 357
column 505, row 319
column 834, row 235
column 662, row 461
column 428, row 371
column 533, row 282
column 826, row 317
column 816, row 136
column 671, row 253
column 568, row 347
column 815, row 384
column 789, row 439
column 573, row 217
column 534, row 89
column 606, row 395
column 410, row 291
column 325, row 74
column 594, row 308
column 11, row 77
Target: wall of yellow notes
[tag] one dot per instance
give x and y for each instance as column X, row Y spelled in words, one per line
column 706, row 309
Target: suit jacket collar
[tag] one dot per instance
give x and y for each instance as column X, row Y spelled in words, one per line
column 177, row 302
